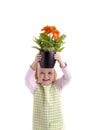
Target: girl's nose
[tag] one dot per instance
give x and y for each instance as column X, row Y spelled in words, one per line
column 46, row 76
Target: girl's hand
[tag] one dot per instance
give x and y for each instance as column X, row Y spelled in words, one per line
column 37, row 58
column 34, row 64
column 58, row 58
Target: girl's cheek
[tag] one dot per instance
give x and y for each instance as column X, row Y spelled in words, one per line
column 40, row 78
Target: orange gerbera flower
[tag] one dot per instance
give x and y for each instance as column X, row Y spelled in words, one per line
column 56, row 34
column 46, row 29
column 51, row 30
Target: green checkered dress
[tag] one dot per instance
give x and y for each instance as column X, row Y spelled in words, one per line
column 47, row 113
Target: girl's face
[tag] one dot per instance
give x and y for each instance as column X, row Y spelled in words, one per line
column 45, row 76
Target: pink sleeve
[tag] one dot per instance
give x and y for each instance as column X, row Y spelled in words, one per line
column 30, row 80
column 65, row 79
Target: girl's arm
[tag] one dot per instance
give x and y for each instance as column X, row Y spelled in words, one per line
column 29, row 80
column 30, row 76
column 65, row 79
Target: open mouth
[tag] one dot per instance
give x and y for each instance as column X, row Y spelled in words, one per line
column 46, row 80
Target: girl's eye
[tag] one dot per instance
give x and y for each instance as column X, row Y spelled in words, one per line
column 41, row 72
column 50, row 73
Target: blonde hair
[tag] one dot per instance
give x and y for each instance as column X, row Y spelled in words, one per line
column 37, row 70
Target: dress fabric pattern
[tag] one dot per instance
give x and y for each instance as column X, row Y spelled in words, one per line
column 47, row 113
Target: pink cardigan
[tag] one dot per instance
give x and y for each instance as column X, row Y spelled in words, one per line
column 60, row 83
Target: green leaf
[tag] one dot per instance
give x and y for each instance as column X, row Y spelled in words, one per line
column 45, row 37
column 61, row 38
column 60, row 49
column 36, row 47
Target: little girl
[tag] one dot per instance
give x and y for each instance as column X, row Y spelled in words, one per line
column 47, row 114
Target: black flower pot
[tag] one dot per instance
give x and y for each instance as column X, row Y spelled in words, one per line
column 47, row 60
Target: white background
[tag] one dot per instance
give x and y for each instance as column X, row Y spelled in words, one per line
column 20, row 20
